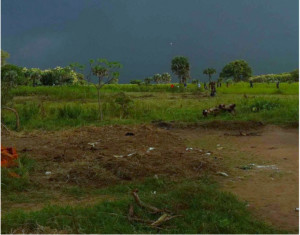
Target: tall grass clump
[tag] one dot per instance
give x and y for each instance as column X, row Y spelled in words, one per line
column 69, row 111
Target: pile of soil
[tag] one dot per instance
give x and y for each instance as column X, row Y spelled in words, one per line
column 101, row 156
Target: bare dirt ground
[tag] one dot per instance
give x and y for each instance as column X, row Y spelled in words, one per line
column 101, row 156
column 271, row 186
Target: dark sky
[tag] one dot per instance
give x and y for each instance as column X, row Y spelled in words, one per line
column 137, row 33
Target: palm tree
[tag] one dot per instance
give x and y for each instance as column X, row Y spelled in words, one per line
column 157, row 78
column 148, row 80
column 35, row 75
column 209, row 72
column 166, row 78
column 181, row 67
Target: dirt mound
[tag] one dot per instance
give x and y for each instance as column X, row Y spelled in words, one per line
column 100, row 156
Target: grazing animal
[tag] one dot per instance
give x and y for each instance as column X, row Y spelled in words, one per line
column 229, row 108
column 213, row 111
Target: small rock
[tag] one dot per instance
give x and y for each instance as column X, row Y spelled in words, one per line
column 208, row 154
column 129, row 134
column 48, row 173
column 155, row 177
column 222, row 173
column 220, row 148
column 153, row 192
column 187, row 149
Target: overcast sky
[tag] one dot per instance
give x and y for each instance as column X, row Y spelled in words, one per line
column 138, row 33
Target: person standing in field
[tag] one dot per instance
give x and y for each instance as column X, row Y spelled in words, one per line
column 251, row 84
column 212, row 86
column 277, row 84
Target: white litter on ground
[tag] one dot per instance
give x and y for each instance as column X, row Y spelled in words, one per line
column 222, row 173
column 118, row 156
column 272, row 167
column 48, row 173
column 150, row 149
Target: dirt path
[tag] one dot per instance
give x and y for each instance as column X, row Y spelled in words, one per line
column 271, row 185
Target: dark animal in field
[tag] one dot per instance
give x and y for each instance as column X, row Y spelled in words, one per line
column 214, row 111
column 229, row 108
column 221, row 108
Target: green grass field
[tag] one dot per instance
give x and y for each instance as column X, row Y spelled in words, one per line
column 62, row 107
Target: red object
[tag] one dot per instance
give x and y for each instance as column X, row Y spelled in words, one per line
column 172, row 86
column 8, row 157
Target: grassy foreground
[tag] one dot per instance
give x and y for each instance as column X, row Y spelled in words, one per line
column 203, row 207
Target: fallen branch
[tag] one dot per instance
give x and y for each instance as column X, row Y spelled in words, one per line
column 164, row 218
column 144, row 205
column 6, row 128
column 131, row 217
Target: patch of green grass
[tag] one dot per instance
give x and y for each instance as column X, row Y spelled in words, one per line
column 75, row 191
column 9, row 183
column 63, row 106
column 90, row 92
column 203, row 207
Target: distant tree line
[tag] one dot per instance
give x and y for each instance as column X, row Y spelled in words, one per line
column 156, row 78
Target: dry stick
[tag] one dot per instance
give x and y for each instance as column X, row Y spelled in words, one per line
column 164, row 218
column 131, row 217
column 144, row 205
column 16, row 113
column 6, row 128
column 154, row 224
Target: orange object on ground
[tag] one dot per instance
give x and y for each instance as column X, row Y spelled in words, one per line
column 14, row 174
column 8, row 157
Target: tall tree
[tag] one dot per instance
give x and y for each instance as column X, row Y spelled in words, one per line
column 180, row 66
column 209, row 72
column 166, row 78
column 157, row 78
column 239, row 70
column 105, row 71
column 295, row 75
column 148, row 80
column 35, row 75
column 4, row 56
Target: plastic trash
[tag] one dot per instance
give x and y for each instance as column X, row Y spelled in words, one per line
column 150, row 149
column 118, row 156
column 222, row 173
column 48, row 173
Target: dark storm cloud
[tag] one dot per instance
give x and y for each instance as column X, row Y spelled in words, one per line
column 44, row 33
